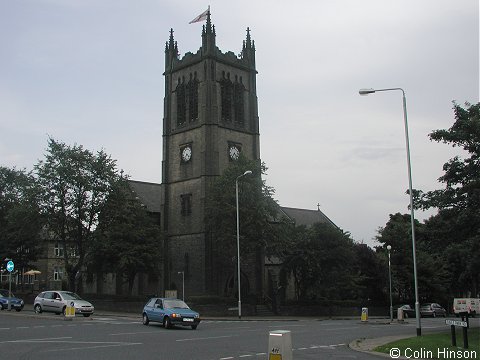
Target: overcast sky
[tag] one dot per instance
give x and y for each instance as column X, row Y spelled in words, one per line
column 90, row 72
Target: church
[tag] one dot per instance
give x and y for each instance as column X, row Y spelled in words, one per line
column 210, row 118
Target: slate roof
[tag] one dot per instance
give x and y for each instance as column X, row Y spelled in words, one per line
column 150, row 194
column 306, row 217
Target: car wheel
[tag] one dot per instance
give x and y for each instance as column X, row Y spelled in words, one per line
column 167, row 322
column 64, row 311
column 38, row 309
column 86, row 315
column 194, row 327
column 434, row 314
column 145, row 319
column 18, row 310
column 406, row 316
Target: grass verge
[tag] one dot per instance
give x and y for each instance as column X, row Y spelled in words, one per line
column 436, row 346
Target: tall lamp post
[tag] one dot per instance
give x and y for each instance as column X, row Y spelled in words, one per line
column 183, row 284
column 390, row 281
column 412, row 217
column 248, row 172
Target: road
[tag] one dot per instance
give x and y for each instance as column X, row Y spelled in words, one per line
column 26, row 335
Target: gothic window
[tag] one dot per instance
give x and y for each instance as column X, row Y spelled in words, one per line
column 186, row 204
column 226, row 88
column 239, row 104
column 181, row 104
column 232, row 100
column 193, row 99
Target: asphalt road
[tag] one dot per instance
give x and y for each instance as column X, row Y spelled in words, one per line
column 25, row 335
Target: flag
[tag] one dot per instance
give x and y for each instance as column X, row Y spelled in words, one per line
column 201, row 17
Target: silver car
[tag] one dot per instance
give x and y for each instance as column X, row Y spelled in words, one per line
column 57, row 302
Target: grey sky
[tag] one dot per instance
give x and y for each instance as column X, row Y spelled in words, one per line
column 90, row 72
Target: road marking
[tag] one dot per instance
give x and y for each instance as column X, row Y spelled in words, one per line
column 23, row 327
column 226, row 358
column 134, row 333
column 106, row 344
column 36, row 340
column 4, row 328
column 344, row 328
column 207, row 338
column 260, row 354
column 242, row 356
column 285, row 325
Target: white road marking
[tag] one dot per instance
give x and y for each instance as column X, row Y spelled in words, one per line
column 93, row 347
column 207, row 338
column 36, row 340
column 134, row 333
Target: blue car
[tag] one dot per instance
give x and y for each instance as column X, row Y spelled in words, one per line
column 15, row 303
column 170, row 312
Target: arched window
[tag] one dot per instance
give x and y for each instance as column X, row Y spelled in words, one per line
column 181, row 104
column 193, row 99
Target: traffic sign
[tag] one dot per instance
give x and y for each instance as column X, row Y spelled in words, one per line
column 456, row 323
column 10, row 266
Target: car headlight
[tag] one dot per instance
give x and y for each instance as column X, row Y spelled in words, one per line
column 21, row 302
column 197, row 315
column 176, row 315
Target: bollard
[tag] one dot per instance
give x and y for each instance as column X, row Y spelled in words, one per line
column 280, row 345
column 364, row 314
column 400, row 315
column 70, row 311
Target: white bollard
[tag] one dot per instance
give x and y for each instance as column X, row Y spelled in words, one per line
column 280, row 345
column 399, row 314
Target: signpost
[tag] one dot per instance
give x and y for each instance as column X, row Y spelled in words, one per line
column 464, row 325
column 10, row 267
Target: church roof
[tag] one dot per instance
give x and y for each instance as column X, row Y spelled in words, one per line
column 150, row 194
column 306, row 217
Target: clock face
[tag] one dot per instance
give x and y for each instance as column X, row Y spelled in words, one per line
column 186, row 153
column 234, row 152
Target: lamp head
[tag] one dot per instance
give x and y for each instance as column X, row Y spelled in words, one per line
column 364, row 92
column 248, row 172
column 389, row 247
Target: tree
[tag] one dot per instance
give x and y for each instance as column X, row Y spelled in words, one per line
column 127, row 239
column 457, row 226
column 75, row 184
column 20, row 220
column 323, row 264
column 261, row 225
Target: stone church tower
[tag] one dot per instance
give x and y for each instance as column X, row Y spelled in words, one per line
column 210, row 116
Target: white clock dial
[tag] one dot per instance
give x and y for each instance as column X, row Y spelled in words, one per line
column 186, row 153
column 234, row 152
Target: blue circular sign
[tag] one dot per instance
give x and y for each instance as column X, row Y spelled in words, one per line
column 10, row 266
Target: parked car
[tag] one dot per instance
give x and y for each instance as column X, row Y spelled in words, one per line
column 408, row 311
column 170, row 312
column 432, row 309
column 15, row 303
column 57, row 301
column 470, row 306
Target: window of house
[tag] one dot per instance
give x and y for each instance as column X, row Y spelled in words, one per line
column 58, row 250
column 57, row 274
column 186, row 204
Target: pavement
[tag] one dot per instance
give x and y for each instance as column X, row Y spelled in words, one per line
column 367, row 345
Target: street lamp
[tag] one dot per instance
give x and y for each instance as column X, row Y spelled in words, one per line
column 248, row 172
column 183, row 284
column 390, row 281
column 412, row 217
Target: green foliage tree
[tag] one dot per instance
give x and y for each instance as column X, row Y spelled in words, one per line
column 75, row 185
column 261, row 225
column 323, row 264
column 456, row 228
column 127, row 240
column 20, row 220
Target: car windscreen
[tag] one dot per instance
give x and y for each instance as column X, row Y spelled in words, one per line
column 4, row 293
column 175, row 304
column 71, row 296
